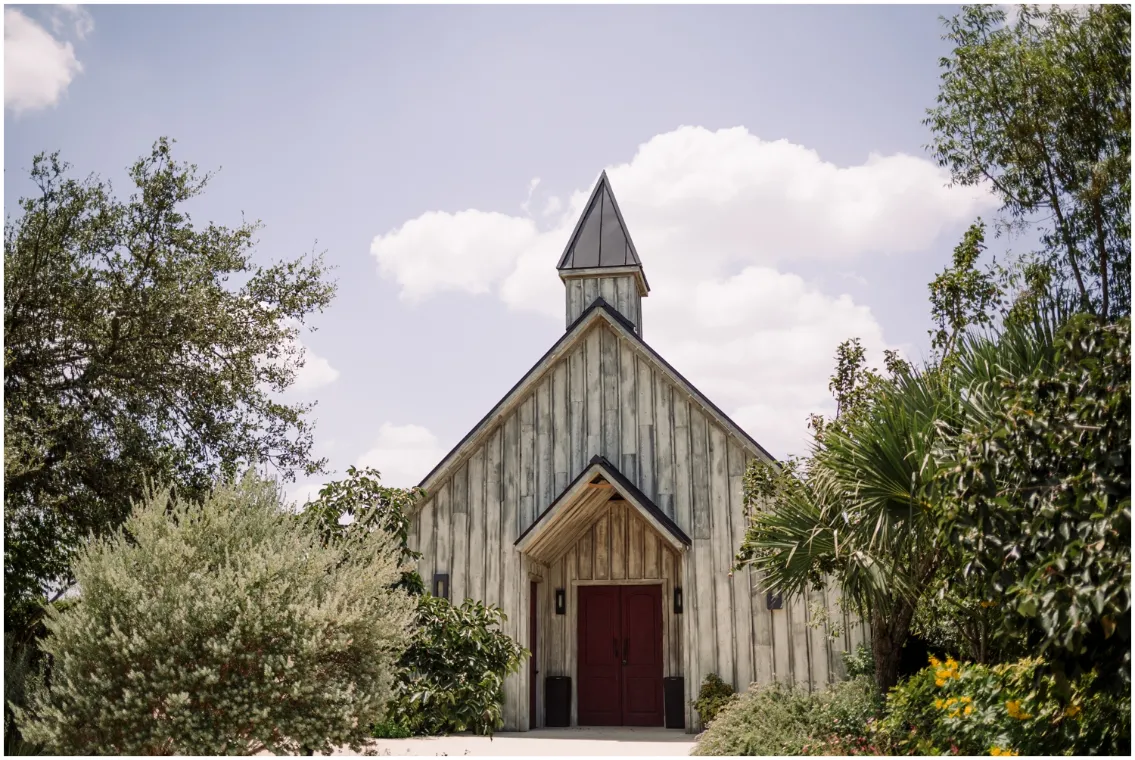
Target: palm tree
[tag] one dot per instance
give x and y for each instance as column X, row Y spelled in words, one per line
column 867, row 504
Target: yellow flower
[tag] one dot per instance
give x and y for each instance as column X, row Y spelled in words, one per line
column 995, row 751
column 951, row 700
column 967, row 700
column 1015, row 711
column 938, row 703
column 998, row 752
column 988, row 604
column 1071, row 711
column 969, row 709
column 940, row 682
column 935, row 661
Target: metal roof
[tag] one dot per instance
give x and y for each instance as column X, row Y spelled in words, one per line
column 600, row 237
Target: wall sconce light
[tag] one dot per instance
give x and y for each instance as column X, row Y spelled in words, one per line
column 441, row 585
column 561, row 602
column 677, row 600
column 774, row 602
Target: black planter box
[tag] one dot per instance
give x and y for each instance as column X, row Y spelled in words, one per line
column 674, row 699
column 557, row 701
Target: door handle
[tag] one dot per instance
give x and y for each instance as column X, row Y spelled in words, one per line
column 626, row 647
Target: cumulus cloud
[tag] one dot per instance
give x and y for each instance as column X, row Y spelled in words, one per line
column 404, row 454
column 38, row 67
column 717, row 217
column 316, row 372
column 72, row 18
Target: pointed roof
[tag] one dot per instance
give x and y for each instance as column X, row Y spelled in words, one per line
column 600, row 238
column 581, row 502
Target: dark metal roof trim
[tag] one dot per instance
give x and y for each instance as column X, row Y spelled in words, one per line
column 612, row 473
column 597, row 304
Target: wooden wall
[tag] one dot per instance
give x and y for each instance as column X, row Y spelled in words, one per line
column 607, row 397
column 620, row 291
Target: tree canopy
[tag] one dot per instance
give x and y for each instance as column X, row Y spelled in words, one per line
column 138, row 347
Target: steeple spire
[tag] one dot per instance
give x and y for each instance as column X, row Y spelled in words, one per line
column 600, row 260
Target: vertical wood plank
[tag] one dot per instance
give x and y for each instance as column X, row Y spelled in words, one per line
column 645, row 409
column 574, row 300
column 609, row 347
column 663, row 439
column 602, row 549
column 782, row 644
column 590, row 291
column 623, row 287
column 510, row 565
column 651, row 549
column 722, row 555
column 459, row 574
column 683, row 476
column 493, row 510
column 699, row 461
column 635, row 548
column 607, row 290
column 629, row 422
column 762, row 631
column 561, row 435
column 544, row 434
column 478, row 553
column 742, row 591
column 584, row 548
column 577, row 390
column 527, row 461
column 798, row 622
column 618, row 541
column 427, row 541
column 444, row 518
column 594, row 395
column 818, row 642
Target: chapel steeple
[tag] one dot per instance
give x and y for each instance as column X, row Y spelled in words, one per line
column 600, row 260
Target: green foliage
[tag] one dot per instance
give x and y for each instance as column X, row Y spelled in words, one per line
column 779, row 719
column 361, row 503
column 1042, row 506
column 225, row 627
column 1013, row 708
column 714, row 695
column 23, row 679
column 859, row 663
column 131, row 355
column 451, row 678
column 1040, row 110
column 962, row 296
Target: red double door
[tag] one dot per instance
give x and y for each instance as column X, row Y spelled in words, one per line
column 620, row 656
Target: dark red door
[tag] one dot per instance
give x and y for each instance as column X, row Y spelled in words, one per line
column 620, row 656
column 642, row 655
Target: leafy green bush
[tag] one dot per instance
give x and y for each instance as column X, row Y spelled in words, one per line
column 714, row 695
column 779, row 719
column 221, row 628
column 964, row 708
column 860, row 662
column 451, row 678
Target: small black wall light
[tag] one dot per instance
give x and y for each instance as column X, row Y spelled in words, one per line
column 561, row 602
column 677, row 600
column 441, row 585
column 775, row 602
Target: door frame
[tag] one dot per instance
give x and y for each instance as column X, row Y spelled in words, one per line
column 573, row 627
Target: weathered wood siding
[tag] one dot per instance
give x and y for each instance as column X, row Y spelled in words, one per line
column 621, row 292
column 606, row 397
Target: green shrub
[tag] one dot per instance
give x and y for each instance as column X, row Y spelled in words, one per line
column 860, row 662
column 714, row 695
column 221, row 628
column 969, row 709
column 451, row 678
column 779, row 719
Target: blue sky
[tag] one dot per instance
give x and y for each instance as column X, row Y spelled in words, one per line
column 769, row 161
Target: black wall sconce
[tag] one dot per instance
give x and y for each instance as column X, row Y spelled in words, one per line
column 441, row 585
column 775, row 602
column 561, row 602
column 677, row 600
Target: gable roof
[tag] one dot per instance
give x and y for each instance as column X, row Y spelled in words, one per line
column 599, row 309
column 582, row 501
column 600, row 238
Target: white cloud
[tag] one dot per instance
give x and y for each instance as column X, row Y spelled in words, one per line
column 715, row 216
column 298, row 494
column 37, row 66
column 72, row 17
column 404, row 454
column 316, row 372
